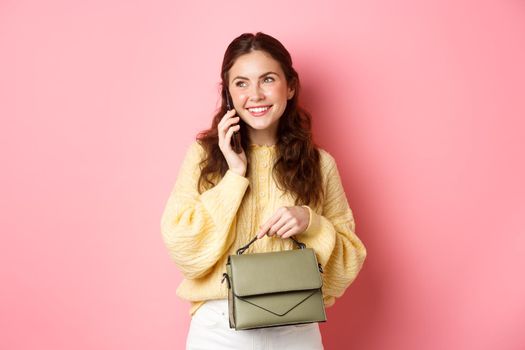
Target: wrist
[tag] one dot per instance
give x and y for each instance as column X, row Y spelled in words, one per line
column 240, row 172
column 309, row 216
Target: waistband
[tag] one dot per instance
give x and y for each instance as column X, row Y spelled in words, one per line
column 220, row 305
column 217, row 302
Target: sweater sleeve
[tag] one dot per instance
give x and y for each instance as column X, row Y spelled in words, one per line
column 197, row 228
column 332, row 235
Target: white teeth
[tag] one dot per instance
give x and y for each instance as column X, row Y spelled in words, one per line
column 258, row 109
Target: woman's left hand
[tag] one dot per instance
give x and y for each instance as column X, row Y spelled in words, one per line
column 286, row 222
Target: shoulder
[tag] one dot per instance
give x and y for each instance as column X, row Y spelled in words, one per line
column 329, row 175
column 195, row 150
column 196, row 146
column 326, row 161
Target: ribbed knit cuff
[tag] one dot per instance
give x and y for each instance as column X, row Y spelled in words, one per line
column 233, row 176
column 314, row 223
column 234, row 183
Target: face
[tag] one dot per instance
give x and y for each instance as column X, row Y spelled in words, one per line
column 259, row 92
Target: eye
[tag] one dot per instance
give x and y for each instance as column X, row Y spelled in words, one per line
column 269, row 79
column 240, row 84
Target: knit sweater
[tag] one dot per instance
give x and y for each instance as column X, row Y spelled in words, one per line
column 201, row 230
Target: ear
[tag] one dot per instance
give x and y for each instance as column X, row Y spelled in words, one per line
column 291, row 91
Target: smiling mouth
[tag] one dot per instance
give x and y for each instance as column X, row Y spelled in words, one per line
column 258, row 110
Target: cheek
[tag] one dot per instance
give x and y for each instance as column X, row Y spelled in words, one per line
column 240, row 99
column 277, row 92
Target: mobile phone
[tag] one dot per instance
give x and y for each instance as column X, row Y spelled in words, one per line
column 236, row 137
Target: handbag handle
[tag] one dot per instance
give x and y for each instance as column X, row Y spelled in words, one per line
column 243, row 249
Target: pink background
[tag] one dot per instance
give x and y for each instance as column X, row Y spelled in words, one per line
column 420, row 102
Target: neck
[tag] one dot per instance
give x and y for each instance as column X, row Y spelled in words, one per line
column 263, row 137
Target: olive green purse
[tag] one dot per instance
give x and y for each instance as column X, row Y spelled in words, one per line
column 275, row 288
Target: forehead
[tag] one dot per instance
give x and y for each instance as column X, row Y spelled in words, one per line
column 253, row 64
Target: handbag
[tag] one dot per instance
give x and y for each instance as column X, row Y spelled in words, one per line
column 275, row 288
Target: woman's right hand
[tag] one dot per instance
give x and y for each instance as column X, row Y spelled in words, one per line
column 236, row 161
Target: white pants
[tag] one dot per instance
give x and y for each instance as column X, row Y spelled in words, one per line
column 210, row 330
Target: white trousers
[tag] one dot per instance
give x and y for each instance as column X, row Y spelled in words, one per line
column 210, row 330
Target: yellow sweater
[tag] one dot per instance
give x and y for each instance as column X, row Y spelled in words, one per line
column 201, row 230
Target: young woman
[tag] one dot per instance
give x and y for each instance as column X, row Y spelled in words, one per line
column 279, row 185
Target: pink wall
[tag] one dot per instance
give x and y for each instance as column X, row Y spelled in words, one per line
column 421, row 103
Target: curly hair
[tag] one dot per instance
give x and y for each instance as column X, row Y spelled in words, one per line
column 297, row 168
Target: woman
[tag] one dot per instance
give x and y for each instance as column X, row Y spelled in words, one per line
column 279, row 185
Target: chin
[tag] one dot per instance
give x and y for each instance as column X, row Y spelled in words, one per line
column 260, row 126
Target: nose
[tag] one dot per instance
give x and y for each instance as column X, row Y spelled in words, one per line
column 256, row 93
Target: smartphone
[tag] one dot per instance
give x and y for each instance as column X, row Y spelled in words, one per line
column 236, row 137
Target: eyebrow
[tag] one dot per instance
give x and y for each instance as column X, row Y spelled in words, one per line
column 262, row 75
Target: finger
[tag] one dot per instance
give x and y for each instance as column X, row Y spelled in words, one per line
column 225, row 143
column 228, row 121
column 285, row 228
column 231, row 121
column 264, row 229
column 292, row 232
column 261, row 232
column 277, row 226
column 230, row 132
column 270, row 222
column 224, row 128
column 227, row 116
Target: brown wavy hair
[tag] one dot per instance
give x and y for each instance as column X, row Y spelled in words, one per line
column 297, row 168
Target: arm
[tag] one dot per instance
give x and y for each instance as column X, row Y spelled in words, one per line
column 332, row 235
column 196, row 227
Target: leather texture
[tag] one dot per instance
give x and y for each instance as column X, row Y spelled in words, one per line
column 274, row 289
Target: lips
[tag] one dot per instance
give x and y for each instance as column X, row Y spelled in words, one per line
column 259, row 111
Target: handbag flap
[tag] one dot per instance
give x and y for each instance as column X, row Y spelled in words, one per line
column 274, row 272
column 284, row 304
